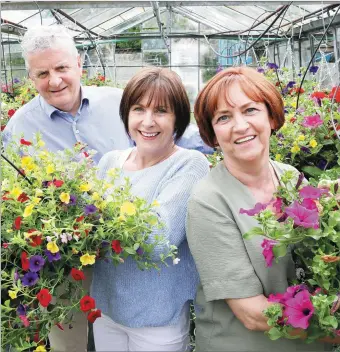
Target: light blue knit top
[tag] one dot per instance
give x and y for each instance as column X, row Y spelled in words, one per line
column 136, row 298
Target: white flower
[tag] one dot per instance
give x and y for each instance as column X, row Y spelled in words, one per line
column 176, row 261
column 69, row 236
column 63, row 238
column 48, row 238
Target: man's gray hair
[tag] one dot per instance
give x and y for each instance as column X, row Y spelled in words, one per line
column 47, row 37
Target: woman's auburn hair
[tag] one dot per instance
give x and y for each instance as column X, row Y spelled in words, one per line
column 164, row 88
column 253, row 84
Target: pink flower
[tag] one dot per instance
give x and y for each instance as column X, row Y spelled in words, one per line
column 24, row 320
column 312, row 192
column 290, row 293
column 254, row 211
column 299, row 310
column 267, row 252
column 313, row 121
column 277, row 205
column 302, row 216
column 309, row 204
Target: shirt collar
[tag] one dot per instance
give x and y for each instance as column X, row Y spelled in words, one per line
column 49, row 109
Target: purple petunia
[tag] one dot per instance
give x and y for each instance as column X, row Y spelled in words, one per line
column 30, row 279
column 44, row 184
column 36, row 263
column 291, row 84
column 73, row 200
column 305, row 150
column 313, row 69
column 52, row 256
column 140, row 251
column 260, row 70
column 272, row 66
column 90, row 209
column 256, row 210
column 21, row 310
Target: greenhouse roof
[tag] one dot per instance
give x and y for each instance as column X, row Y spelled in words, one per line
column 112, row 19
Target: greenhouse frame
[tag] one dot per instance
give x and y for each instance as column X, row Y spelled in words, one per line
column 193, row 38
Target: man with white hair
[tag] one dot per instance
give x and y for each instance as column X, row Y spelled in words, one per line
column 65, row 112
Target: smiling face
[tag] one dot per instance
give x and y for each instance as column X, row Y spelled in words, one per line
column 56, row 76
column 151, row 126
column 242, row 127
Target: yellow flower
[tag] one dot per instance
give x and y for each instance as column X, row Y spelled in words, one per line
column 301, row 137
column 43, row 155
column 40, row 349
column 313, row 143
column 36, row 200
column 293, row 104
column 95, row 196
column 16, row 191
column 74, row 251
column 28, row 210
column 121, row 218
column 41, row 143
column 155, row 203
column 278, row 157
column 112, row 173
column 107, row 185
column 64, row 197
column 12, row 294
column 26, row 160
column 295, row 149
column 52, row 247
column 50, row 169
column 128, row 208
column 87, row 259
column 85, row 187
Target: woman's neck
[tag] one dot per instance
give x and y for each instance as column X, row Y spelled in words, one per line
column 257, row 174
column 139, row 160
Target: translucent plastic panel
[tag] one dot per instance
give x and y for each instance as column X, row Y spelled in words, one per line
column 181, row 24
column 184, row 52
column 17, row 16
column 46, row 18
column 105, row 16
column 89, row 13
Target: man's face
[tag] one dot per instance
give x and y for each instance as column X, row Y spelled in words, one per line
column 56, row 75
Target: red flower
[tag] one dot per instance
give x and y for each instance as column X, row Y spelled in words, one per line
column 77, row 274
column 11, row 112
column 337, row 95
column 17, row 223
column 44, row 297
column 81, row 218
column 25, row 263
column 318, row 95
column 58, row 183
column 5, row 245
column 87, row 231
column 115, row 244
column 92, row 316
column 293, row 119
column 23, row 198
column 35, row 240
column 3, row 127
column 59, row 326
column 86, row 154
column 87, row 303
column 6, row 198
column 24, row 142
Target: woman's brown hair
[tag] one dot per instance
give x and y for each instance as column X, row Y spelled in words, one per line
column 254, row 85
column 165, row 88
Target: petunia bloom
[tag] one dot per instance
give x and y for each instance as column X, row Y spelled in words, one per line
column 318, row 95
column 25, row 263
column 30, row 279
column 254, row 211
column 77, row 275
column 90, row 209
column 267, row 252
column 311, row 192
column 87, row 303
column 17, row 222
column 115, row 244
column 128, row 208
column 299, row 310
column 335, row 94
column 24, row 320
column 87, row 259
column 313, row 69
column 272, row 66
column 51, row 257
column 302, row 216
column 36, row 263
column 73, row 200
column 21, row 309
column 92, row 316
column 44, row 297
column 312, row 121
column 24, row 142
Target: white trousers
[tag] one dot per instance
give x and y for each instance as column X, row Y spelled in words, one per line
column 110, row 336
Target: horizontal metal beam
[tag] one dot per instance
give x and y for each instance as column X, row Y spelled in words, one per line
column 66, row 4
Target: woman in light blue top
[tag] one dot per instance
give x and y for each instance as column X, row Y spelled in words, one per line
column 149, row 310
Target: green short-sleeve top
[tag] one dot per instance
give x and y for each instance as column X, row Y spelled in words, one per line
column 231, row 267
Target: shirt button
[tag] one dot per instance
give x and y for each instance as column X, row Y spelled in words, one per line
column 77, row 131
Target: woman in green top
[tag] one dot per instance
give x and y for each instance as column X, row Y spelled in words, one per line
column 237, row 110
